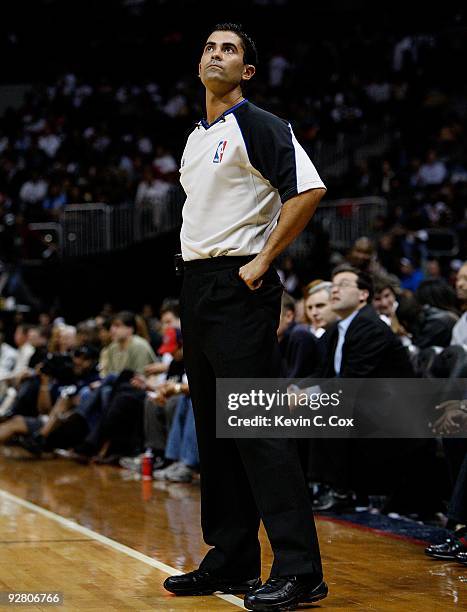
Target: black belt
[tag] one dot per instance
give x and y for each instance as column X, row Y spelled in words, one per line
column 211, row 264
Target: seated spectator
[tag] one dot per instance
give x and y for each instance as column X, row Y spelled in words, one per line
column 318, row 308
column 438, row 302
column 359, row 345
column 8, row 357
column 55, row 201
column 158, row 416
column 411, row 277
column 53, row 402
column 87, row 333
column 127, row 350
column 426, row 325
column 459, row 331
column 385, row 303
column 296, row 343
column 63, row 338
column 169, row 324
column 362, row 255
column 25, row 351
column 151, row 191
column 103, row 326
column 182, row 446
column 34, row 190
column 432, row 172
column 38, row 337
column 164, row 163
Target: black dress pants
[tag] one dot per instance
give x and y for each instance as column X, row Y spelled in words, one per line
column 229, row 331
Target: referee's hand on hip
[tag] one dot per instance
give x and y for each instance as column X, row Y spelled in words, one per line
column 252, row 272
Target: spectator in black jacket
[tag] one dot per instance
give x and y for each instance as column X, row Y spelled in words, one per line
column 429, row 315
column 360, row 345
column 298, row 346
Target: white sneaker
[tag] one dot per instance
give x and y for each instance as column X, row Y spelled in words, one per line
column 131, row 463
column 182, row 473
column 161, row 474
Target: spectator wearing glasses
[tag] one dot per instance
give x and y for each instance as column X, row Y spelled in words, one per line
column 359, row 345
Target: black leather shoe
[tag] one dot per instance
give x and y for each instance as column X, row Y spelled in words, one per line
column 285, row 593
column 462, row 558
column 450, row 549
column 204, row 583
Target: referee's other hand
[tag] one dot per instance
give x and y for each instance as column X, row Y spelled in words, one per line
column 252, row 272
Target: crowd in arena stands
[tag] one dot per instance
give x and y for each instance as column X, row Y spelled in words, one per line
column 81, row 140
column 113, row 387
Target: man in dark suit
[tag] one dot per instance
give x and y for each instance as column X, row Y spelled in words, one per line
column 359, row 345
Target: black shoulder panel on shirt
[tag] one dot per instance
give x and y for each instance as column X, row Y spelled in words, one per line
column 270, row 148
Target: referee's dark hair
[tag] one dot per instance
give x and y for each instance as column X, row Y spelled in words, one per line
column 364, row 280
column 250, row 54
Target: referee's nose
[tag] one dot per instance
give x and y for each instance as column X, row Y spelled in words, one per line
column 216, row 55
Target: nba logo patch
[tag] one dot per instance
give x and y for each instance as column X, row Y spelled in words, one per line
column 219, row 152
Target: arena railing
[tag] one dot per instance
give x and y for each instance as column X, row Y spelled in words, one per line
column 92, row 228
column 343, row 220
column 88, row 229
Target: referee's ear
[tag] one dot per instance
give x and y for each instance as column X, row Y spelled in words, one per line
column 248, row 72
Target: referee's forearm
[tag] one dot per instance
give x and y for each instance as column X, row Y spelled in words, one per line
column 294, row 217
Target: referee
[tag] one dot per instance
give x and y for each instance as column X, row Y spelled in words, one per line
column 251, row 189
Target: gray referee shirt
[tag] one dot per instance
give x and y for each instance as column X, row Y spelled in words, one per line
column 237, row 173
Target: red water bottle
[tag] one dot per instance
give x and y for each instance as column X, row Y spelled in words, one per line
column 147, row 464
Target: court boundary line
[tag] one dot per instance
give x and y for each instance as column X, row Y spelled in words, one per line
column 94, row 535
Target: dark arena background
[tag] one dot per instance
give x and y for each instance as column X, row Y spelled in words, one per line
column 97, row 100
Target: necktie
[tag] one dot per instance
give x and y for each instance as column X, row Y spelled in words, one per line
column 338, row 351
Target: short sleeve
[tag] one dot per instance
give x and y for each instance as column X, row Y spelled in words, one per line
column 276, row 154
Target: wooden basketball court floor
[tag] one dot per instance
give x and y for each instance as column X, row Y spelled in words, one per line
column 107, row 541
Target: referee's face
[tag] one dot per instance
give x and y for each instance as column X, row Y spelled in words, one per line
column 221, row 67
